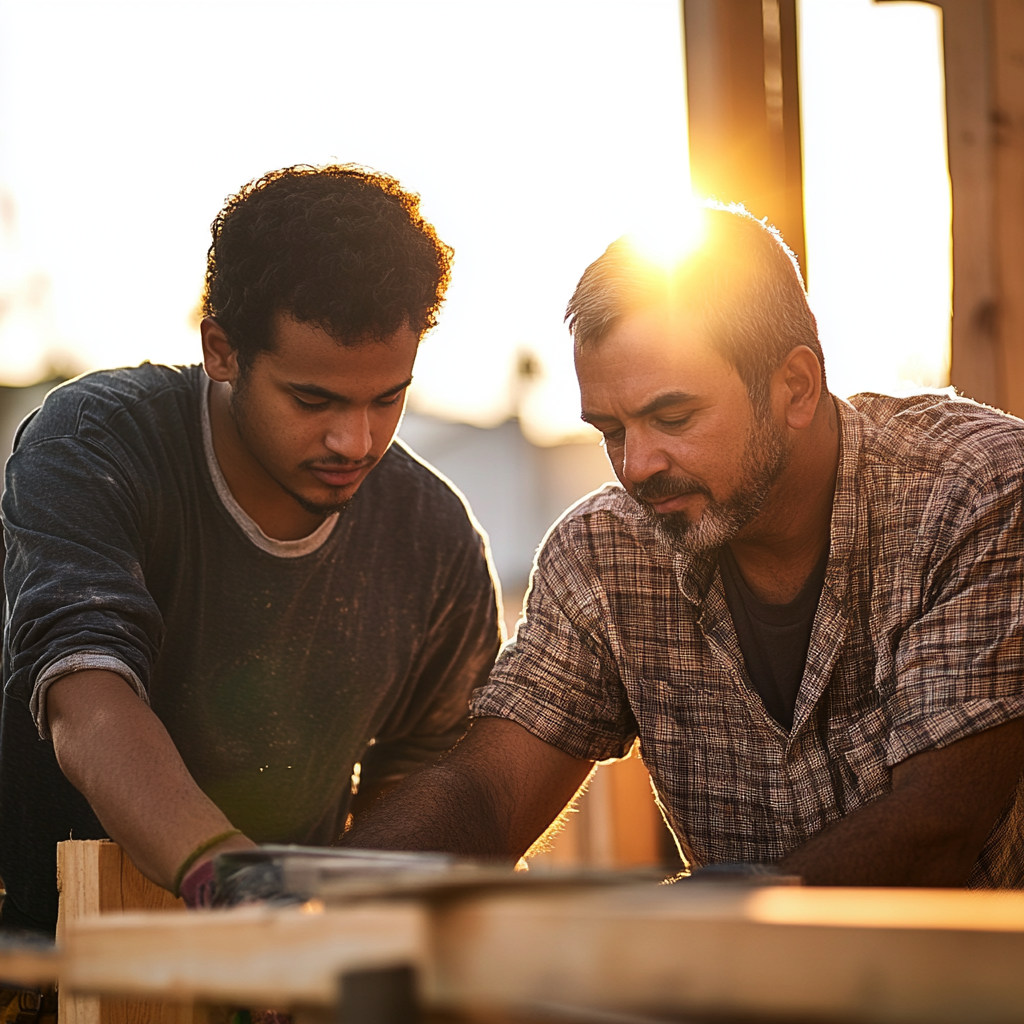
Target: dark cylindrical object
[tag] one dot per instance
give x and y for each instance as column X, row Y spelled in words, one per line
column 382, row 996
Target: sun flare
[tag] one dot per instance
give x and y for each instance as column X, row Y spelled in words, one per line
column 670, row 238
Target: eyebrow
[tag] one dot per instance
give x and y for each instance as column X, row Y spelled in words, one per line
column 333, row 396
column 669, row 398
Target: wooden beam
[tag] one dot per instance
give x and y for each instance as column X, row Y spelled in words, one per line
column 615, row 824
column 852, row 955
column 915, row 957
column 26, row 967
column 1008, row 87
column 974, row 354
column 983, row 45
column 249, row 955
column 743, row 102
column 96, row 877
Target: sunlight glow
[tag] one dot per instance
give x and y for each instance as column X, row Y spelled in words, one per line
column 674, row 236
column 876, row 192
column 887, row 908
column 555, row 127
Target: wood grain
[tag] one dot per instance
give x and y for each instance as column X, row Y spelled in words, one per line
column 249, row 955
column 851, row 955
column 910, row 956
column 96, row 877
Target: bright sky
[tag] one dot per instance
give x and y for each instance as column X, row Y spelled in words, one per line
column 535, row 132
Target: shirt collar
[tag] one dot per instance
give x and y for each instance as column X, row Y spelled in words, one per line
column 844, row 503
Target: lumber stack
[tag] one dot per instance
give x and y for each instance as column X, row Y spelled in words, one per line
column 490, row 947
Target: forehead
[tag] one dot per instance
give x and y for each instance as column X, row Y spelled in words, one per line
column 305, row 351
column 650, row 352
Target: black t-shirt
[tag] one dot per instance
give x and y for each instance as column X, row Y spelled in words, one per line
column 275, row 666
column 774, row 638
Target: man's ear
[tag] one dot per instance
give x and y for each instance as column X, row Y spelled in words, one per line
column 219, row 356
column 797, row 385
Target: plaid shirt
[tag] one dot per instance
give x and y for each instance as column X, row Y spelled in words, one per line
column 917, row 641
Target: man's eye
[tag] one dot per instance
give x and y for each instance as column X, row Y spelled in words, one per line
column 675, row 423
column 613, row 436
column 310, row 405
column 390, row 401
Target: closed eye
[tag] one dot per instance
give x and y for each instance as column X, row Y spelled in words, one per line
column 310, row 405
column 676, row 422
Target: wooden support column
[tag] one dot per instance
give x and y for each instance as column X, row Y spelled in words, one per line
column 983, row 56
column 1008, row 65
column 95, row 877
column 743, row 100
column 616, row 823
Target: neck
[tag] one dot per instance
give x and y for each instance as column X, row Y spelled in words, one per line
column 777, row 552
column 260, row 496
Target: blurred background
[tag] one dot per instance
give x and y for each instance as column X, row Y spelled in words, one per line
column 536, row 133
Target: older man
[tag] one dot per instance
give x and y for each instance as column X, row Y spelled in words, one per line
column 809, row 611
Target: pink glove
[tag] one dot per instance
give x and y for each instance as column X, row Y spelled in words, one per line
column 197, row 887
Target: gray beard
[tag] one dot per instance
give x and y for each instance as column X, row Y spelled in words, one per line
column 765, row 457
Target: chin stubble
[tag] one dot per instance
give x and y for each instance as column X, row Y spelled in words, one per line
column 238, row 405
column 764, row 459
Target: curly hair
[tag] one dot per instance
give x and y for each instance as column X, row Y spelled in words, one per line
column 340, row 246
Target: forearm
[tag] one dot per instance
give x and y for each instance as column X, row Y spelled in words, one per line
column 441, row 808
column 118, row 754
column 887, row 843
column 496, row 792
column 930, row 829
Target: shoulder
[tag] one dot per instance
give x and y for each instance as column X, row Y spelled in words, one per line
column 608, row 508
column 404, row 486
column 94, row 404
column 940, row 433
column 604, row 527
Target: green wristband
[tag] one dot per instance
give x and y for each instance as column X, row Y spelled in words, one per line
column 209, row 844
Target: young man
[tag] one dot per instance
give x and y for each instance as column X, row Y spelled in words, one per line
column 809, row 611
column 227, row 588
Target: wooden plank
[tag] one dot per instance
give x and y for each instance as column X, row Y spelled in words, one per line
column 637, row 820
column 615, row 823
column 249, row 955
column 983, row 43
column 852, row 955
column 886, row 955
column 27, row 968
column 96, row 877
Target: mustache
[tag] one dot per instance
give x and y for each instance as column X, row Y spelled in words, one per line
column 338, row 461
column 663, row 485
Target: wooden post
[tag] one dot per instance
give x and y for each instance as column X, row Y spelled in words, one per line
column 743, row 102
column 95, row 877
column 1008, row 66
column 983, row 44
column 616, row 823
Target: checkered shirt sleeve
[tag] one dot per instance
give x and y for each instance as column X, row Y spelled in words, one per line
column 557, row 677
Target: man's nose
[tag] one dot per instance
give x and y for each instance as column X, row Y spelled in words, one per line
column 349, row 435
column 642, row 457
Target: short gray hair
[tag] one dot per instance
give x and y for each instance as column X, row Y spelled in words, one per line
column 741, row 285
